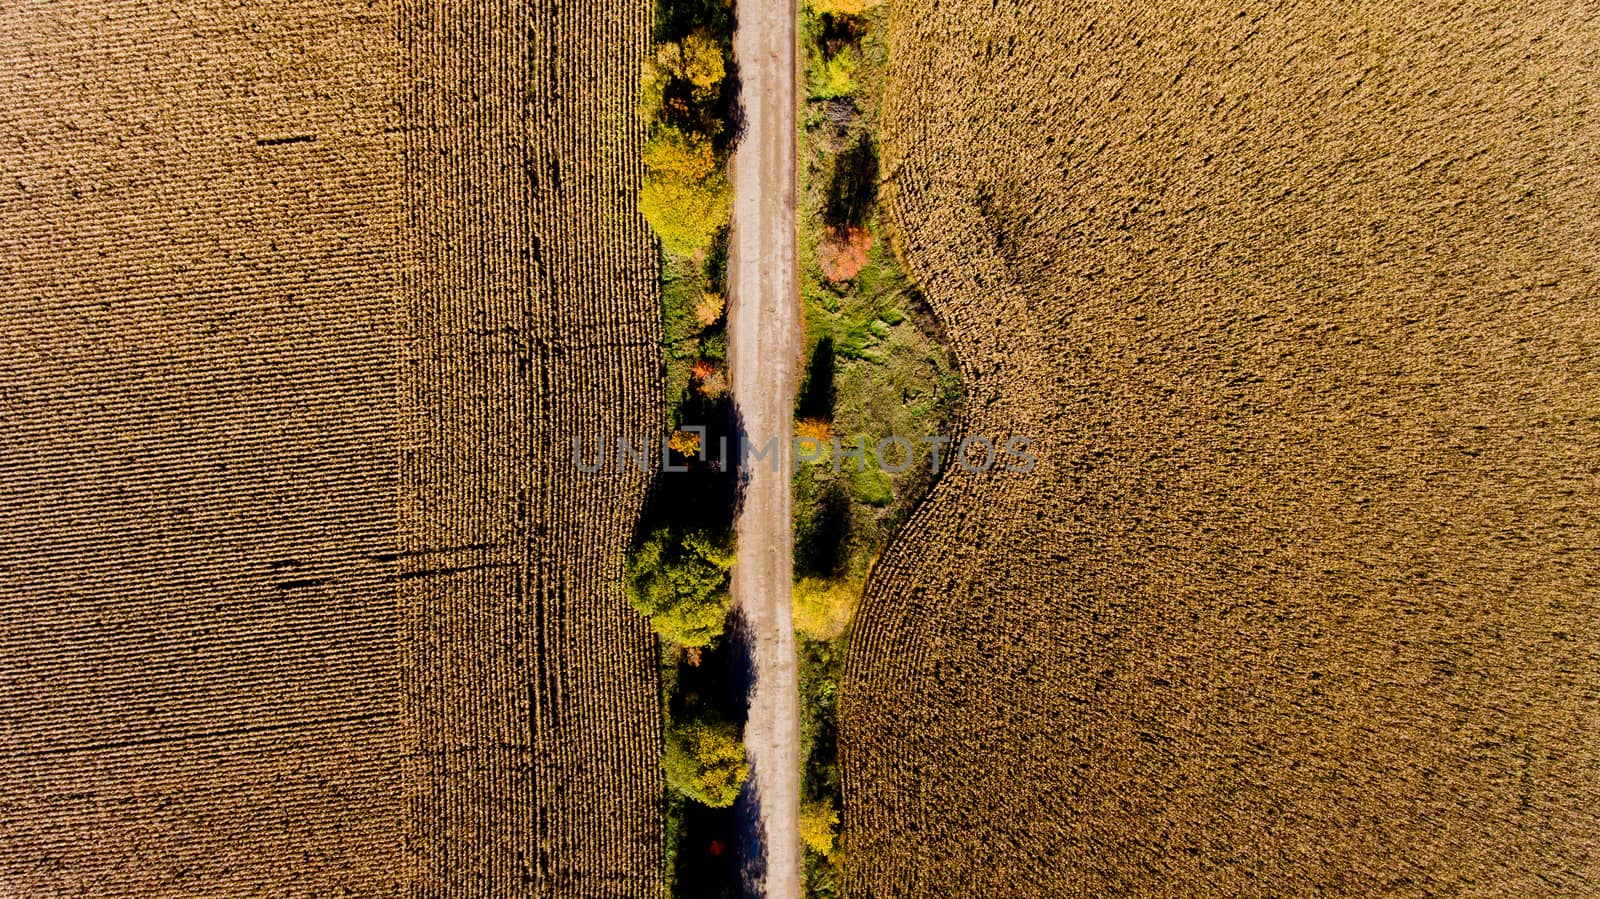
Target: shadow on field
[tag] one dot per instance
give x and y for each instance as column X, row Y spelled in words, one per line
column 745, row 816
column 707, row 863
column 702, row 497
column 711, row 684
column 711, row 841
column 677, row 18
column 823, row 549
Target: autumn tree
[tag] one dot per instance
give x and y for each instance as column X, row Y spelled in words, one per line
column 705, row 761
column 710, row 308
column 672, row 152
column 819, row 828
column 814, row 428
column 843, row 253
column 685, row 196
column 686, row 215
column 680, row 582
column 684, row 443
column 708, row 379
column 682, row 79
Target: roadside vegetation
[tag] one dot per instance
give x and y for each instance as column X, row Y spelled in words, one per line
column 677, row 571
column 877, row 368
column 686, row 100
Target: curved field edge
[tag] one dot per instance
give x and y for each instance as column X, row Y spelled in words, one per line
column 876, row 370
column 1295, row 306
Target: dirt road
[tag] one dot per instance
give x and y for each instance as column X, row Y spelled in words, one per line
column 764, row 346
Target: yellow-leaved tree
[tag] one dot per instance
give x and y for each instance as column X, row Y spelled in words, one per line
column 704, row 760
column 819, row 828
column 692, row 68
column 685, row 215
column 822, row 607
column 685, row 196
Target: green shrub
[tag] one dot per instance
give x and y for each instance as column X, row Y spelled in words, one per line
column 715, row 346
column 872, row 486
column 680, row 583
column 828, row 79
column 704, row 760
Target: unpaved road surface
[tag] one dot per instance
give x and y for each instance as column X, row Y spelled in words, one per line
column 764, row 346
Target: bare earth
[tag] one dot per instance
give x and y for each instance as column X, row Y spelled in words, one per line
column 764, row 341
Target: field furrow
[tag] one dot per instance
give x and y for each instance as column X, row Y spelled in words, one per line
column 197, row 660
